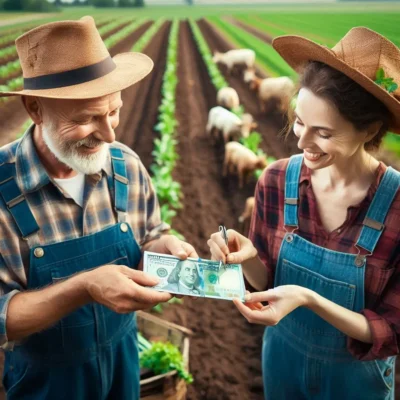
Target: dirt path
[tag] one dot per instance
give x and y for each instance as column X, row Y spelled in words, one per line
column 269, row 125
column 140, row 111
column 225, row 350
column 254, row 31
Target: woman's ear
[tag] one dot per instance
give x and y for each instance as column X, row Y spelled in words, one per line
column 372, row 130
column 34, row 109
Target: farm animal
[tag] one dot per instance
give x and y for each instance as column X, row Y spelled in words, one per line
column 227, row 97
column 236, row 58
column 245, row 217
column 229, row 124
column 269, row 89
column 248, row 210
column 243, row 160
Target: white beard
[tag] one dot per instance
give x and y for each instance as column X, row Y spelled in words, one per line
column 67, row 153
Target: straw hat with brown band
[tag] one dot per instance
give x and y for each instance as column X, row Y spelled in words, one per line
column 359, row 55
column 69, row 60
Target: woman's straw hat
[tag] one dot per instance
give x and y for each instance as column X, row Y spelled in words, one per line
column 359, row 55
column 69, row 60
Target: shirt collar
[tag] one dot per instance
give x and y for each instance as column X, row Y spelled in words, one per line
column 31, row 173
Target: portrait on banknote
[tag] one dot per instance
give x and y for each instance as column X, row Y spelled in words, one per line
column 185, row 279
column 176, row 276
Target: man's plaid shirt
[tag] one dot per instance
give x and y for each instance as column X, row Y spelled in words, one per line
column 60, row 218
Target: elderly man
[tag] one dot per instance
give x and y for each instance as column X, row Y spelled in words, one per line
column 77, row 209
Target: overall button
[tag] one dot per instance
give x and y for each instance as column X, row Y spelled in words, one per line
column 289, row 238
column 124, row 227
column 388, row 371
column 359, row 261
column 38, row 252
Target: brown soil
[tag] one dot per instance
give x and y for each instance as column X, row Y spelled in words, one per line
column 140, row 111
column 254, row 31
column 225, row 350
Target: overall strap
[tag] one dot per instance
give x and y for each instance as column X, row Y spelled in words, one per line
column 16, row 201
column 380, row 206
column 120, row 183
column 292, row 190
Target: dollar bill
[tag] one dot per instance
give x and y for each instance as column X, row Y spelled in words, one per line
column 195, row 277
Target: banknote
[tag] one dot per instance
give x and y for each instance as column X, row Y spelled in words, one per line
column 195, row 277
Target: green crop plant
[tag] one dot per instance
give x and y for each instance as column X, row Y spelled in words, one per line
column 8, row 52
column 163, row 357
column 168, row 191
column 112, row 25
column 9, row 69
column 148, row 35
column 124, row 32
column 15, row 84
column 216, row 77
column 164, row 150
column 252, row 142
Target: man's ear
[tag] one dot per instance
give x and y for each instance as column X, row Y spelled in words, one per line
column 33, row 108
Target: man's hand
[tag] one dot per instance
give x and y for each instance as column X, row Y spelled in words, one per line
column 169, row 244
column 121, row 288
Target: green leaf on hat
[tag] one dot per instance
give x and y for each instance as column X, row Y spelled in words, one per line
column 387, row 83
column 393, row 87
column 380, row 74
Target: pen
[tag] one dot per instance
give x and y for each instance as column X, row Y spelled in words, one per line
column 224, row 234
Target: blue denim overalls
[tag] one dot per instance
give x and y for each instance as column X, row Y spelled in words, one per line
column 91, row 353
column 304, row 357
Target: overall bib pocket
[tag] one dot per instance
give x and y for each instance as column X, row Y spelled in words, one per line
column 82, row 322
column 341, row 293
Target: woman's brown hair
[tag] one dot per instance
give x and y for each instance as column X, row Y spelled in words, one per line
column 353, row 102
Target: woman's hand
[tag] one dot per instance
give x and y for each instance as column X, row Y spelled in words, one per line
column 282, row 300
column 239, row 248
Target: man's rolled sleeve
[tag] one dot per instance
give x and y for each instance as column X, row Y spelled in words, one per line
column 4, row 301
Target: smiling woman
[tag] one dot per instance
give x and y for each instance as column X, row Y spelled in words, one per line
column 324, row 236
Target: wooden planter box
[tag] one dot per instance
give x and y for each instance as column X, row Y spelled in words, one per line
column 166, row 386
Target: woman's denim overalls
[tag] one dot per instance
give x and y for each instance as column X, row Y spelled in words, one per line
column 304, row 357
column 91, row 353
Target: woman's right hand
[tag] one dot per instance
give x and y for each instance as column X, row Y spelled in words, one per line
column 239, row 248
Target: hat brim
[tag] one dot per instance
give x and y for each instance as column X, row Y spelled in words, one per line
column 297, row 51
column 130, row 68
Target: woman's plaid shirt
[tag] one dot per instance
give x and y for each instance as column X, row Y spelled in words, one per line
column 61, row 219
column 382, row 276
